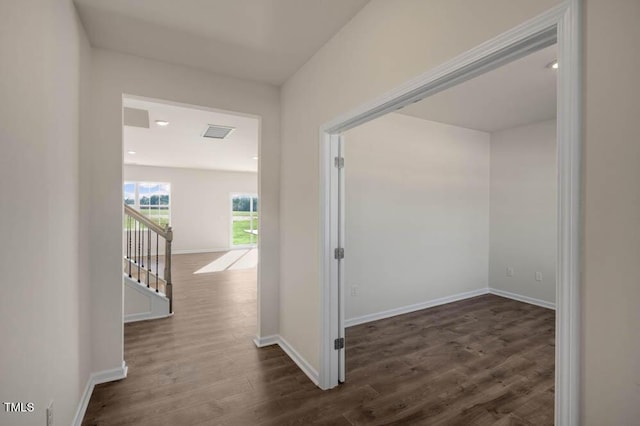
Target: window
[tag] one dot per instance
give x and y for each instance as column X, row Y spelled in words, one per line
column 152, row 199
column 244, row 219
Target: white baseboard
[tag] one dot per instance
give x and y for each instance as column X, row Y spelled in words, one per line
column 415, row 307
column 195, row 251
column 110, row 375
column 96, row 379
column 525, row 299
column 299, row 360
column 261, row 342
column 143, row 316
column 302, row 363
column 84, row 403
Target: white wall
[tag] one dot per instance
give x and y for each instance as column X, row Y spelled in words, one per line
column 523, row 215
column 611, row 272
column 44, row 306
column 115, row 74
column 387, row 43
column 200, row 203
column 417, row 213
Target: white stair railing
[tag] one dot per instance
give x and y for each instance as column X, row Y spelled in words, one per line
column 139, row 262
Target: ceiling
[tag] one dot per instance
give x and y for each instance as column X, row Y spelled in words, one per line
column 180, row 144
column 263, row 40
column 518, row 93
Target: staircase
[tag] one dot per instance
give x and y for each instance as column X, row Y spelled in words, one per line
column 148, row 291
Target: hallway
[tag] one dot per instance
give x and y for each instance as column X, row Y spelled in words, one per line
column 201, row 364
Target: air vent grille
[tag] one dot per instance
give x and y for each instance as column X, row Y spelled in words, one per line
column 217, row 132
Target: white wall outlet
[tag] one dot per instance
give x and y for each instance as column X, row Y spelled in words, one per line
column 509, row 272
column 354, row 290
column 50, row 414
column 538, row 276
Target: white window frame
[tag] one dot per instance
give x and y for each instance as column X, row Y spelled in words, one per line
column 136, row 204
column 251, row 196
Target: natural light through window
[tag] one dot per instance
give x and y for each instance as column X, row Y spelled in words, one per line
column 152, row 199
column 244, row 220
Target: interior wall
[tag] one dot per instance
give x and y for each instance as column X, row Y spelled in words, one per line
column 417, row 213
column 386, row 44
column 45, row 353
column 523, row 204
column 115, row 74
column 611, row 266
column 200, row 203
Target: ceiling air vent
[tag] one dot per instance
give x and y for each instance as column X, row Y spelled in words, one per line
column 217, row 132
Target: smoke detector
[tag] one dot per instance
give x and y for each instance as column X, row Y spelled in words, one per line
column 217, row 132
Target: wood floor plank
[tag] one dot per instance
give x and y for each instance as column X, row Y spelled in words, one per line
column 481, row 361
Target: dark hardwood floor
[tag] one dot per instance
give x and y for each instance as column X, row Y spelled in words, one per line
column 482, row 361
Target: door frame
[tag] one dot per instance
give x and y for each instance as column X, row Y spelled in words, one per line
column 560, row 24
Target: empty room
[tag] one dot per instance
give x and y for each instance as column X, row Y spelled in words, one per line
column 450, row 241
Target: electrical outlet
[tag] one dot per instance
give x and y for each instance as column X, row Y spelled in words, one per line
column 538, row 276
column 354, row 290
column 50, row 414
column 509, row 272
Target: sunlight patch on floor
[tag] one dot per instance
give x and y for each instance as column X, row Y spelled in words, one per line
column 232, row 260
column 249, row 260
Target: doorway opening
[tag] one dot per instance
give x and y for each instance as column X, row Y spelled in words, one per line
column 180, row 165
column 559, row 25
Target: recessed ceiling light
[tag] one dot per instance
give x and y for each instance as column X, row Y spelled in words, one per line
column 553, row 65
column 131, row 152
column 162, row 123
column 255, row 158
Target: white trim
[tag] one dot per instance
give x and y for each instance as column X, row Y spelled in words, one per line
column 415, row 307
column 568, row 360
column 144, row 316
column 521, row 40
column 443, row 301
column 329, row 271
column 158, row 302
column 84, row 403
column 110, row 375
column 302, row 363
column 96, row 379
column 299, row 360
column 521, row 298
column 262, row 342
column 561, row 24
column 207, row 250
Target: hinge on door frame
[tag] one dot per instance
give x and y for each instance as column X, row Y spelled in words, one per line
column 338, row 343
column 338, row 253
column 338, row 162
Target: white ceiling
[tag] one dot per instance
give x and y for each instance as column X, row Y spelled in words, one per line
column 180, row 144
column 263, row 40
column 518, row 93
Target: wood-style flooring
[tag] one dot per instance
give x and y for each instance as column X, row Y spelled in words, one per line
column 481, row 361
